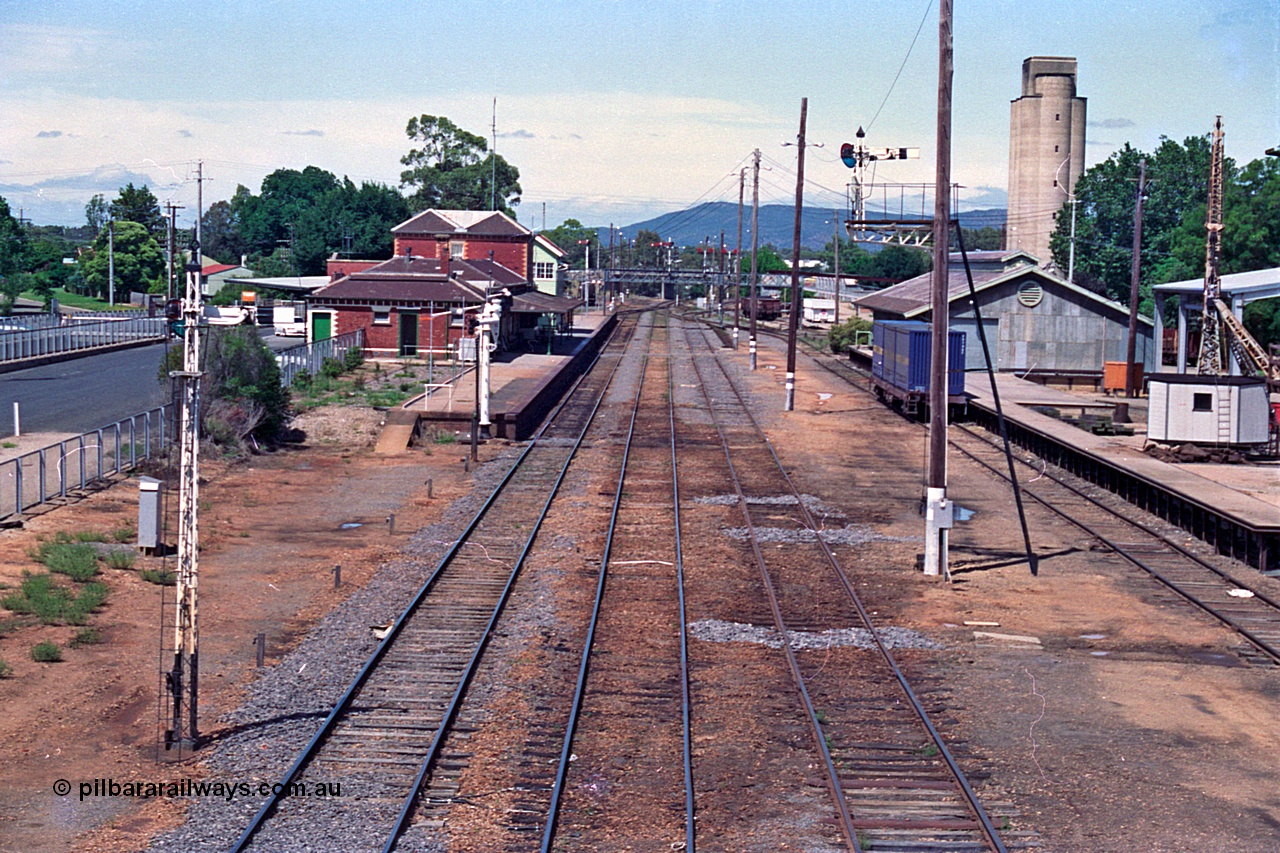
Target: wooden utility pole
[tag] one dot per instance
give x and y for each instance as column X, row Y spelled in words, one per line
column 836, row 223
column 797, row 302
column 755, row 244
column 1211, row 361
column 737, row 259
column 937, row 507
column 1121, row 415
column 183, row 679
column 720, row 288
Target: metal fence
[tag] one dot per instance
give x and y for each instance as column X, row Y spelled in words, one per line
column 308, row 358
column 79, row 335
column 73, row 465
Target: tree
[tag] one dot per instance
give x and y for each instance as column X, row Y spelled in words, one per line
column 987, row 238
column 219, row 229
column 96, row 213
column 140, row 206
column 767, row 260
column 899, row 263
column 12, row 279
column 566, row 235
column 139, row 263
column 450, row 170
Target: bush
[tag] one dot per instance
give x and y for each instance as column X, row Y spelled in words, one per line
column 121, row 559
column 122, row 534
column 238, row 370
column 841, row 338
column 160, row 577
column 85, row 637
column 46, row 652
column 331, row 367
column 78, row 561
column 354, row 358
column 42, row 597
column 301, row 380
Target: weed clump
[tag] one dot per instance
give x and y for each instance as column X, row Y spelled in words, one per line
column 121, row 559
column 160, row 577
column 46, row 652
column 76, row 560
column 85, row 637
column 41, row 596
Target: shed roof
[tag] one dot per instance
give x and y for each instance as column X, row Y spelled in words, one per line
column 914, row 297
column 1248, row 286
column 536, row 302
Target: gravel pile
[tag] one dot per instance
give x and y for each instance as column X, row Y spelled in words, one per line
column 812, row 502
column 718, row 631
column 852, row 534
column 288, row 703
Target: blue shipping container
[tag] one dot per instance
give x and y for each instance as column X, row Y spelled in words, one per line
column 900, row 354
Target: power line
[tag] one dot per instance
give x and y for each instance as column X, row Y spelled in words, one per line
column 923, row 18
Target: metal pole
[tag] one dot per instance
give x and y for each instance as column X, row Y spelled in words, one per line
column 17, row 421
column 793, row 325
column 755, row 242
column 937, row 508
column 1071, row 258
column 836, row 226
column 111, row 262
column 1121, row 415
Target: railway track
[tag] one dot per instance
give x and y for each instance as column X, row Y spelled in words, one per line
column 1230, row 597
column 891, row 777
column 385, row 737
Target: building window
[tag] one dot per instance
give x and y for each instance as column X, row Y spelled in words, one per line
column 544, row 270
column 382, row 316
column 1055, row 149
column 455, row 250
column 1055, row 182
column 1202, row 402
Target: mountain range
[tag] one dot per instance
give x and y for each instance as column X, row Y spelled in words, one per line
column 777, row 221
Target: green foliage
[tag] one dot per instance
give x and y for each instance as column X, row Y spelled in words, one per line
column 220, row 229
column 138, row 261
column 41, row 596
column 6, row 671
column 896, row 263
column 842, row 337
column 12, row 281
column 353, row 358
column 121, row 559
column 240, row 390
column 160, row 577
column 566, row 235
column 85, row 637
column 141, row 206
column 988, row 238
column 331, row 367
column 46, row 652
column 97, row 212
column 767, row 260
column 77, row 560
column 301, row 380
column 122, row 534
column 451, row 171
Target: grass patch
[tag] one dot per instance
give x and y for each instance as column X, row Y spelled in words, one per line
column 85, row 637
column 42, row 597
column 121, row 559
column 445, row 438
column 9, row 445
column 76, row 560
column 46, row 652
column 160, row 577
column 5, row 670
column 122, row 534
column 88, row 536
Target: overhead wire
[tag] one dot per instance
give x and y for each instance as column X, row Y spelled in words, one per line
column 911, row 47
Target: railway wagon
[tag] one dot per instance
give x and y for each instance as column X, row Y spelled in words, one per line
column 900, row 362
column 767, row 307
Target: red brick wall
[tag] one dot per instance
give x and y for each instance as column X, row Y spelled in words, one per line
column 335, row 269
column 514, row 253
column 385, row 339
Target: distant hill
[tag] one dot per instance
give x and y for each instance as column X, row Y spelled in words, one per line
column 693, row 225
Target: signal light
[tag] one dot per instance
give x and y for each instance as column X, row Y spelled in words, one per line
column 847, row 155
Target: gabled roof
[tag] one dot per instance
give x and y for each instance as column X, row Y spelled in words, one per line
column 550, row 247
column 412, row 278
column 471, row 223
column 914, row 297
column 214, row 269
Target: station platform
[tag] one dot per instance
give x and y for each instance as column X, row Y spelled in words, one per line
column 1236, row 507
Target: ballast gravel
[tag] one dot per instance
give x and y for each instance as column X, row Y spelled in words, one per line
column 852, row 534
column 719, row 631
column 289, row 702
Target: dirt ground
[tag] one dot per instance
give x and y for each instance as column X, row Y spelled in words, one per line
column 1125, row 721
column 271, row 533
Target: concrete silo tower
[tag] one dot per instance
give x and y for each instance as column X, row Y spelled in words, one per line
column 1046, row 151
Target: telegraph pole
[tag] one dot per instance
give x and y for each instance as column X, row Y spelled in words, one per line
column 172, row 247
column 1121, row 414
column 737, row 259
column 755, row 243
column 720, row 286
column 937, row 507
column 200, row 210
column 796, row 302
column 183, row 679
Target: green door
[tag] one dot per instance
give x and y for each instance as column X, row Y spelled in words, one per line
column 408, row 334
column 321, row 327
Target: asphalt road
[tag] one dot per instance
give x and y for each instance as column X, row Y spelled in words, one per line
column 84, row 393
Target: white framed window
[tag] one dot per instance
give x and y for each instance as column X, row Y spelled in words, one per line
column 382, row 316
column 455, row 249
column 542, row 269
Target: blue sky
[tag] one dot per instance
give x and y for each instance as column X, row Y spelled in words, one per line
column 612, row 111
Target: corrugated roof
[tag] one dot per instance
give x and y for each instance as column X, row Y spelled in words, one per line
column 408, row 278
column 535, row 302
column 214, row 269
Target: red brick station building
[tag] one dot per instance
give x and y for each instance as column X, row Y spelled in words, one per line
column 447, row 262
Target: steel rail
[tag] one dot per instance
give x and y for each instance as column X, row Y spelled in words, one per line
column 971, row 798
column 344, row 702
column 815, row 725
column 579, row 691
column 1263, row 645
column 687, row 746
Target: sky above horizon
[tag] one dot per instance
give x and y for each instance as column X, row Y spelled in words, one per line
column 613, row 112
